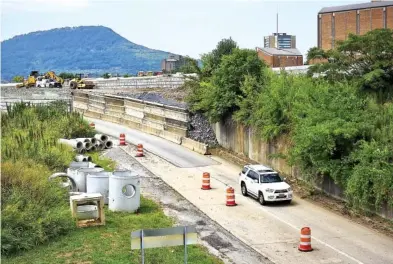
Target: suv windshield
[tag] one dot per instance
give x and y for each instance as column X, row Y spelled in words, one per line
column 270, row 178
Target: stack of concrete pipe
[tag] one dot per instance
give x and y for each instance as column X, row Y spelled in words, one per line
column 83, row 145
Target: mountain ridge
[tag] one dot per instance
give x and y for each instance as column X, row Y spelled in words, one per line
column 87, row 49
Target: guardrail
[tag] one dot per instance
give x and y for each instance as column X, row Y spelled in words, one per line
column 168, row 122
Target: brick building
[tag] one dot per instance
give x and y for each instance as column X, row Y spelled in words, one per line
column 280, row 57
column 335, row 23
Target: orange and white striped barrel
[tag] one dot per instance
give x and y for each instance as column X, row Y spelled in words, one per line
column 305, row 239
column 92, row 125
column 206, row 181
column 139, row 150
column 122, row 140
column 230, row 196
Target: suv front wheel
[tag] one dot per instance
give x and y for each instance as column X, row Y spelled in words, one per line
column 244, row 189
column 261, row 199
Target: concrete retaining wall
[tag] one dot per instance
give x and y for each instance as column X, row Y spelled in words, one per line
column 168, row 122
column 245, row 140
column 139, row 82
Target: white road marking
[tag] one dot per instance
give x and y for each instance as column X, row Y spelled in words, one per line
column 313, row 237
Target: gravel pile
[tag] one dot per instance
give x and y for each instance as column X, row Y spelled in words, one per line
column 153, row 97
column 201, row 130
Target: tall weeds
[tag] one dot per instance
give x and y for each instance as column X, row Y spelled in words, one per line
column 33, row 209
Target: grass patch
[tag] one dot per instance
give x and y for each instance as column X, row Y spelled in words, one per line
column 111, row 243
column 106, row 163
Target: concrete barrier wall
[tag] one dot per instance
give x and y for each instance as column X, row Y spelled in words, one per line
column 168, row 122
column 245, row 140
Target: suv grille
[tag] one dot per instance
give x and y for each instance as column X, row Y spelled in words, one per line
column 281, row 191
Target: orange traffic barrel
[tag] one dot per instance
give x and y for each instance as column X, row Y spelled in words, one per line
column 206, row 181
column 122, row 140
column 305, row 239
column 93, row 125
column 230, row 192
column 139, row 150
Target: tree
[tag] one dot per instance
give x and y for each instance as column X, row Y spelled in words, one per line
column 366, row 59
column 126, row 75
column 106, row 75
column 190, row 66
column 315, row 53
column 17, row 79
column 212, row 60
column 220, row 96
column 66, row 75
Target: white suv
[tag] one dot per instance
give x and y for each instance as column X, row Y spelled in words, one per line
column 265, row 184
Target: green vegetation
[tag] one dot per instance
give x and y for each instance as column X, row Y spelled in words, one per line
column 33, row 209
column 17, row 79
column 66, row 75
column 339, row 124
column 36, row 221
column 111, row 243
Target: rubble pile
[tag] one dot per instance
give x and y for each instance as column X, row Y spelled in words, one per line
column 201, row 130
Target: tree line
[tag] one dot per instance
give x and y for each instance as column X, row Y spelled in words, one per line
column 338, row 117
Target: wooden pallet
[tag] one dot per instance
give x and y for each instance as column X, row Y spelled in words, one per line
column 88, row 199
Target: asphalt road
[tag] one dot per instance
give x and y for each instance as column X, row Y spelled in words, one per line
column 271, row 230
column 172, row 152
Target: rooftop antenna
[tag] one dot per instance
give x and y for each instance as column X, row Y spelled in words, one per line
column 277, row 29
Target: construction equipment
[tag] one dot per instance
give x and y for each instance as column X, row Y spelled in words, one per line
column 31, row 80
column 79, row 83
column 58, row 81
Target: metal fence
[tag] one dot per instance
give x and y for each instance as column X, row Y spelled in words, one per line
column 11, row 101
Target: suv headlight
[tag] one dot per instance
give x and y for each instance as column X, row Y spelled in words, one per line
column 269, row 190
column 289, row 189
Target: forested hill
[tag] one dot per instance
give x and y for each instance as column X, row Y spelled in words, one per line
column 85, row 49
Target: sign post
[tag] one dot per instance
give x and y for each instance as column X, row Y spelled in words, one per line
column 164, row 237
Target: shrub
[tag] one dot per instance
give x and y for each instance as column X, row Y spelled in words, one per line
column 33, row 209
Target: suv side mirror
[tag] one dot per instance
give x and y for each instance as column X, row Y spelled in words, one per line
column 285, row 179
column 256, row 181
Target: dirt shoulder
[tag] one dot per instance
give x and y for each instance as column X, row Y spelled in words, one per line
column 317, row 197
column 215, row 238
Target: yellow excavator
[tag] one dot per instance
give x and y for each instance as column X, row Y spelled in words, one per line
column 31, row 80
column 54, row 80
column 58, row 81
column 79, row 83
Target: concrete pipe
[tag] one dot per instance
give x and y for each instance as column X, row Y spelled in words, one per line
column 92, row 149
column 101, row 137
column 100, row 146
column 72, row 142
column 70, row 183
column 93, row 141
column 83, row 140
column 82, row 151
column 87, row 145
column 80, row 158
column 108, row 144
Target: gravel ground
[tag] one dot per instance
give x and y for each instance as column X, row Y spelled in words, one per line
column 154, row 97
column 216, row 239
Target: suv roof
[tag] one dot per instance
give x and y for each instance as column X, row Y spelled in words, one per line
column 260, row 168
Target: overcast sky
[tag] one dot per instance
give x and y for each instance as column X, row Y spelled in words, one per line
column 186, row 27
